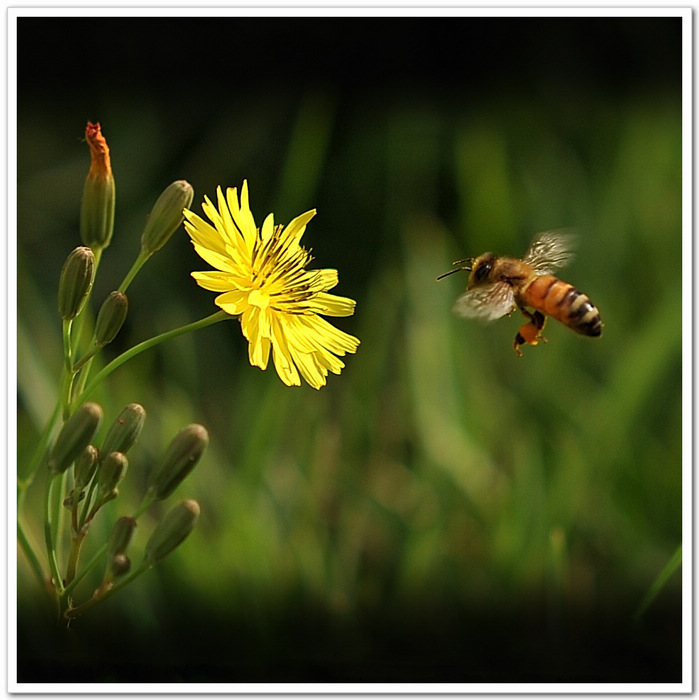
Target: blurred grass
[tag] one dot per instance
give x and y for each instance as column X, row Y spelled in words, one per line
column 440, row 477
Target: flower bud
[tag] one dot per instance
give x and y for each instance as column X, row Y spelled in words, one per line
column 99, row 194
column 121, row 536
column 166, row 216
column 119, row 565
column 178, row 461
column 110, row 318
column 172, row 530
column 75, row 436
column 85, row 467
column 125, row 430
column 111, row 472
column 74, row 287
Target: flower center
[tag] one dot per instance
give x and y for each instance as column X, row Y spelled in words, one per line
column 258, row 298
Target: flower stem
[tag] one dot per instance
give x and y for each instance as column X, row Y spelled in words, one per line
column 26, row 479
column 68, row 374
column 48, row 536
column 137, row 265
column 86, row 569
column 32, row 558
column 146, row 345
column 105, row 591
column 77, row 538
column 67, row 349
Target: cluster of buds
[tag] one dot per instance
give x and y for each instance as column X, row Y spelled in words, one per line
column 96, row 228
column 98, row 473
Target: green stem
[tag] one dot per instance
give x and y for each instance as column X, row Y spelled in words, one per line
column 86, row 569
column 103, row 593
column 144, row 505
column 86, row 357
column 82, row 380
column 32, row 558
column 25, row 481
column 662, row 578
column 138, row 264
column 77, row 537
column 146, row 345
column 68, row 374
column 23, row 484
column 67, row 349
column 48, row 536
column 87, row 504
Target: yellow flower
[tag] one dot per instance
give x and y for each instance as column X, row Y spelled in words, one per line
column 261, row 277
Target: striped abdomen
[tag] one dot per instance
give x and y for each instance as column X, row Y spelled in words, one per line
column 563, row 302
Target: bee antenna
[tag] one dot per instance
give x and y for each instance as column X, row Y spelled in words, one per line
column 460, row 265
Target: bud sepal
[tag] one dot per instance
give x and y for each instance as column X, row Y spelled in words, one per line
column 110, row 318
column 179, row 459
column 166, row 216
column 75, row 284
column 125, row 430
column 172, row 530
column 75, row 436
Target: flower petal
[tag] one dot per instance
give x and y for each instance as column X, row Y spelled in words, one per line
column 213, row 281
column 260, row 276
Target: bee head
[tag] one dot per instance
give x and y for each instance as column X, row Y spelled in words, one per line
column 481, row 268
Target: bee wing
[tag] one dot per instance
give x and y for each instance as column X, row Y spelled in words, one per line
column 486, row 302
column 550, row 250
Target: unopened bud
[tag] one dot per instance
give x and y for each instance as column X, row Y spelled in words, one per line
column 125, row 430
column 85, row 467
column 172, row 530
column 121, row 535
column 110, row 318
column 76, row 434
column 119, row 565
column 178, row 461
column 74, row 287
column 167, row 215
column 111, row 472
column 99, row 194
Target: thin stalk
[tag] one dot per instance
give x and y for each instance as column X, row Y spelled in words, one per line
column 87, row 501
column 147, row 345
column 77, row 537
column 68, row 375
column 32, row 558
column 67, row 349
column 48, row 536
column 97, row 556
column 106, row 590
column 143, row 506
column 82, row 379
column 138, row 264
column 84, row 359
column 662, row 578
column 25, row 481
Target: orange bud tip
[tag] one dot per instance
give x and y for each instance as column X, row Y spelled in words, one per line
column 100, row 165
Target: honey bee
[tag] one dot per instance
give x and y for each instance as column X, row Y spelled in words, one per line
column 498, row 285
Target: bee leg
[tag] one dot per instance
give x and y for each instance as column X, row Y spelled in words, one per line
column 530, row 332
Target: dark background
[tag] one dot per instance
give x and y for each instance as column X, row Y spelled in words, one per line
column 495, row 128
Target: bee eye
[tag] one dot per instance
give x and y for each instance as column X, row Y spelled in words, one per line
column 481, row 272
